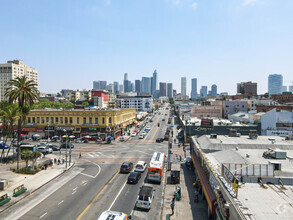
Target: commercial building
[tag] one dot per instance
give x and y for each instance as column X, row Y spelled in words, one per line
column 275, row 83
column 194, row 88
column 275, row 123
column 137, row 86
column 116, row 87
column 214, row 90
column 13, row 69
column 283, row 98
column 163, row 89
column 169, row 90
column 79, row 122
column 247, row 88
column 204, row 92
column 99, row 85
column 183, row 86
column 76, row 95
column 154, row 82
column 241, row 179
column 231, row 107
column 140, row 103
column 146, row 85
column 100, row 98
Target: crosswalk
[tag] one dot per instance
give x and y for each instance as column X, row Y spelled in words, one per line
column 97, row 154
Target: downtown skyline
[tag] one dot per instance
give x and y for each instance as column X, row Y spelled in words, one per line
column 79, row 43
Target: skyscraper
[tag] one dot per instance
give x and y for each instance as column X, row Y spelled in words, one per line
column 194, row 88
column 183, row 85
column 214, row 91
column 138, row 86
column 154, row 81
column 146, row 85
column 275, row 83
column 204, row 92
column 116, row 84
column 163, row 89
column 99, row 85
column 170, row 90
column 126, row 83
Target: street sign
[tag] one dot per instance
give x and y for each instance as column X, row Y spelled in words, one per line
column 34, row 148
column 172, row 126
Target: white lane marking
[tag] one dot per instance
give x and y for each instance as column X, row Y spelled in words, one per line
column 43, row 215
column 144, row 152
column 132, row 212
column 90, row 155
column 75, row 188
column 73, row 192
column 117, row 196
column 103, row 154
column 84, row 184
column 97, row 172
column 60, row 202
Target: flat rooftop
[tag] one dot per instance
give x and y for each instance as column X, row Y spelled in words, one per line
column 257, row 202
column 217, row 122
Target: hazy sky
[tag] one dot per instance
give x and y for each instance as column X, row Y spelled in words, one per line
column 74, row 42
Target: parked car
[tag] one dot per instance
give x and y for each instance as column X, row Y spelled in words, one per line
column 144, row 133
column 133, row 134
column 2, row 146
column 148, row 127
column 133, row 177
column 163, row 119
column 140, row 166
column 42, row 144
column 141, row 136
column 159, row 140
column 145, row 197
column 68, row 145
column 44, row 150
column 122, row 138
column 126, row 167
column 54, row 147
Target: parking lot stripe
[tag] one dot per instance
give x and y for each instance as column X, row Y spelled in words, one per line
column 43, row 215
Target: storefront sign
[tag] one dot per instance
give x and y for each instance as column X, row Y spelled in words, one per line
column 229, row 176
column 65, row 128
column 29, row 129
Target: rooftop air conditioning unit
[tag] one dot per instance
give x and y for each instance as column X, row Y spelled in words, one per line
column 232, row 133
column 213, row 136
column 253, row 134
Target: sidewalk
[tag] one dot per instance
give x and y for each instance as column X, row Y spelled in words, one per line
column 31, row 182
column 186, row 208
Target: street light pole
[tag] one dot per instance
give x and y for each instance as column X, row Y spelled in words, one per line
column 66, row 147
column 48, row 132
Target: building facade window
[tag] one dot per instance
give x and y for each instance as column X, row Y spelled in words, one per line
column 61, row 120
column 52, row 120
column 38, row 120
column 90, row 121
column 110, row 120
column 28, row 120
column 47, row 119
column 84, row 120
column 66, row 120
column 77, row 120
column 43, row 120
column 56, row 119
column 96, row 121
column 103, row 120
column 70, row 120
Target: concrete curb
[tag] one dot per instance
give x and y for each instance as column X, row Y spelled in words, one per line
column 2, row 211
column 163, row 195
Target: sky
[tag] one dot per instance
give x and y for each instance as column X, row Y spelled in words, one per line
column 74, row 42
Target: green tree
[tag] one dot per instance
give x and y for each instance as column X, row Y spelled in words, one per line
column 266, row 95
column 25, row 93
column 171, row 101
column 86, row 104
column 28, row 155
column 9, row 115
column 67, row 105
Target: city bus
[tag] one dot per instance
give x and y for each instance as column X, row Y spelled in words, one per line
column 155, row 170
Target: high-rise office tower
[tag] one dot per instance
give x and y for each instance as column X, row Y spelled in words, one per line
column 120, row 88
column 13, row 69
column 275, row 83
column 116, row 84
column 138, row 86
column 214, row 91
column 154, row 81
column 170, row 90
column 284, row 89
column 194, row 88
column 290, row 89
column 146, row 85
column 247, row 88
column 110, row 87
column 183, row 85
column 126, row 83
column 99, row 85
column 163, row 89
column 204, row 92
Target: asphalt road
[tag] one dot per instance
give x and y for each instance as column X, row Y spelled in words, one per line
column 95, row 184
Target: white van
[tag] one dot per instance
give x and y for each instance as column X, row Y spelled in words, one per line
column 113, row 215
column 145, row 197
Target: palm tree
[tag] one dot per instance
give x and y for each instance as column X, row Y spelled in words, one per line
column 25, row 93
column 9, row 115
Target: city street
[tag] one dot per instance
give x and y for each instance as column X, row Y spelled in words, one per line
column 94, row 184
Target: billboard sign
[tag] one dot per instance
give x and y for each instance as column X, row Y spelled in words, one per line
column 207, row 123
